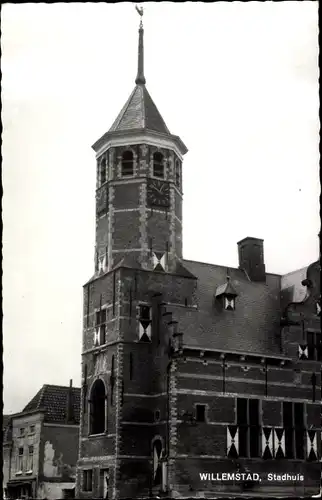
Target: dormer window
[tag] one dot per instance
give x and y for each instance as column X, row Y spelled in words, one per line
column 145, row 319
column 102, row 172
column 226, row 295
column 177, row 173
column 127, row 164
column 158, row 166
column 229, row 303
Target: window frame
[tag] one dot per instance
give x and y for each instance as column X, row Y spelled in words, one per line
column 87, row 480
column 314, row 349
column 227, row 300
column 247, row 428
column 293, row 430
column 205, row 408
column 177, row 174
column 100, row 326
column 146, row 309
column 101, row 169
column 30, row 458
column 20, row 457
column 158, row 165
column 125, row 170
column 32, row 430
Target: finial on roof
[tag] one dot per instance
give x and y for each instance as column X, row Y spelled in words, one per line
column 140, row 79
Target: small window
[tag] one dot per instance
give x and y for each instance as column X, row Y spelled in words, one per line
column 314, row 346
column 157, row 415
column 87, row 480
column 100, row 331
column 21, row 431
column 127, row 163
column 30, row 458
column 158, row 167
column 229, row 303
column 102, row 172
column 177, row 173
column 100, row 317
column 100, row 335
column 145, row 312
column 20, row 459
column 201, row 413
column 102, row 263
column 32, row 429
column 104, row 482
column 145, row 321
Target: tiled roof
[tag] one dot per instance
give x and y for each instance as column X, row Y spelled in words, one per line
column 253, row 325
column 140, row 112
column 52, row 399
column 226, row 288
column 6, row 427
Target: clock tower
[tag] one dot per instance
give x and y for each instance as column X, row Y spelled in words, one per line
column 128, row 332
column 139, row 186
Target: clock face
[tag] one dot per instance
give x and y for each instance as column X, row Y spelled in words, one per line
column 102, row 200
column 158, row 194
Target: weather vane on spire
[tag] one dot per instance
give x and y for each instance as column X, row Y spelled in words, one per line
column 140, row 80
column 140, row 12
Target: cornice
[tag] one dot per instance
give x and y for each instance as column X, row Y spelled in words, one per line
column 139, row 136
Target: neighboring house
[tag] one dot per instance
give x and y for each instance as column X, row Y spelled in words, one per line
column 41, row 445
column 188, row 368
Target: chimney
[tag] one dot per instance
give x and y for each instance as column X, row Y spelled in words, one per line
column 251, row 258
column 69, row 403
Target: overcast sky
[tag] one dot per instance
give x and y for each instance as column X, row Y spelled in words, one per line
column 238, row 82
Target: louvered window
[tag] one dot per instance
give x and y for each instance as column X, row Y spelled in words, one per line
column 87, row 480
column 158, row 166
column 248, row 427
column 293, row 422
column 127, row 163
column 102, row 172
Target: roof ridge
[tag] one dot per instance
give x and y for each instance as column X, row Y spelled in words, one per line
column 123, row 110
column 143, row 105
column 160, row 116
column 41, row 396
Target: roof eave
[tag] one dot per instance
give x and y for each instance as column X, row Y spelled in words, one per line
column 124, row 133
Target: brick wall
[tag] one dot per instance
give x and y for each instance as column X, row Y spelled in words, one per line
column 59, row 452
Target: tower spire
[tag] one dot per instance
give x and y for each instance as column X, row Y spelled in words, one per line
column 140, row 79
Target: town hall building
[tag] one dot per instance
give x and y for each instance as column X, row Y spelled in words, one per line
column 189, row 370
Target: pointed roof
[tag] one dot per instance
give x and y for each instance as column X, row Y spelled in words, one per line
column 53, row 400
column 226, row 289
column 139, row 111
column 140, row 114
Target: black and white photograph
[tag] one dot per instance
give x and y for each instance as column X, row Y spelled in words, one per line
column 161, row 250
